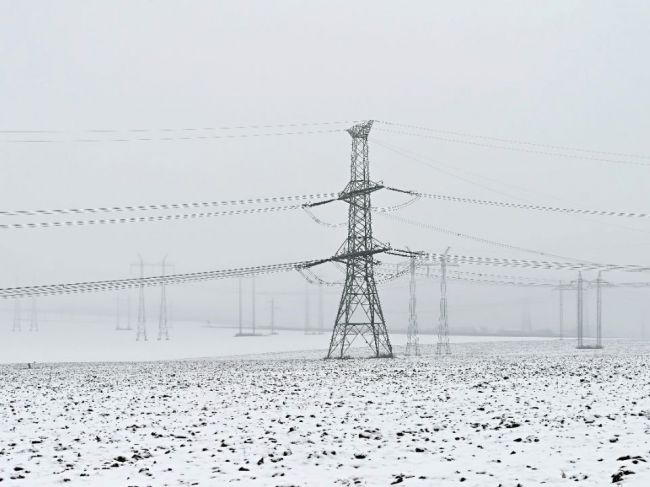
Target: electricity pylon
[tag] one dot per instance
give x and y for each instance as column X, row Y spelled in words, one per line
column 412, row 337
column 128, row 313
column 561, row 293
column 142, row 317
column 599, row 311
column 253, row 292
column 33, row 319
column 17, row 316
column 163, row 330
column 580, row 309
column 359, row 312
column 443, row 324
column 273, row 332
column 240, row 307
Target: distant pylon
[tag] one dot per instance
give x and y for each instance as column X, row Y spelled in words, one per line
column 359, row 312
column 443, row 324
column 33, row 319
column 253, row 292
column 580, row 310
column 273, row 332
column 128, row 313
column 142, row 317
column 599, row 311
column 412, row 337
column 163, row 330
column 561, row 293
column 240, row 307
column 17, row 316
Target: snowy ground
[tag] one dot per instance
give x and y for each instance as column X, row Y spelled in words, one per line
column 501, row 413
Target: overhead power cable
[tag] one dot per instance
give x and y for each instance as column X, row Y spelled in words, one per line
column 434, row 164
column 532, row 264
column 117, row 284
column 525, row 206
column 457, row 140
column 482, row 277
column 167, row 206
column 167, row 138
column 517, row 141
column 181, row 129
column 495, row 243
column 147, row 219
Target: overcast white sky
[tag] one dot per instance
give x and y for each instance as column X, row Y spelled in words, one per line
column 556, row 72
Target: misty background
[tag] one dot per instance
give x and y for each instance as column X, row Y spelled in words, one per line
column 562, row 72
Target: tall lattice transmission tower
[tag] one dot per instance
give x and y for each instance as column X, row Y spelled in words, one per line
column 359, row 312
column 412, row 336
column 443, row 324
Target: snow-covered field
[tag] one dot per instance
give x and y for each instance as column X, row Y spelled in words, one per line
column 500, row 413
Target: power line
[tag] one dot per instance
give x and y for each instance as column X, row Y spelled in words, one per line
column 495, row 243
column 426, row 161
column 173, row 138
column 167, row 206
column 517, row 141
column 524, row 206
column 130, row 283
column 146, row 219
column 534, row 264
column 516, row 149
column 179, row 129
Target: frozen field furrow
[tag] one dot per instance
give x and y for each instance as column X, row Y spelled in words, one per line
column 501, row 413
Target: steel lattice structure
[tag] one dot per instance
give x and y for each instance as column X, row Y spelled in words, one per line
column 359, row 312
column 443, row 323
column 412, row 336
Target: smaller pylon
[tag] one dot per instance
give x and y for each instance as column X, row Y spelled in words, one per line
column 412, row 337
column 561, row 293
column 580, row 314
column 141, row 331
column 443, row 323
column 253, row 295
column 33, row 319
column 273, row 332
column 599, row 311
column 308, row 330
column 163, row 330
column 128, row 313
column 17, row 316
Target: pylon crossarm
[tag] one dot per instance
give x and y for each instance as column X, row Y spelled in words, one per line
column 345, row 195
